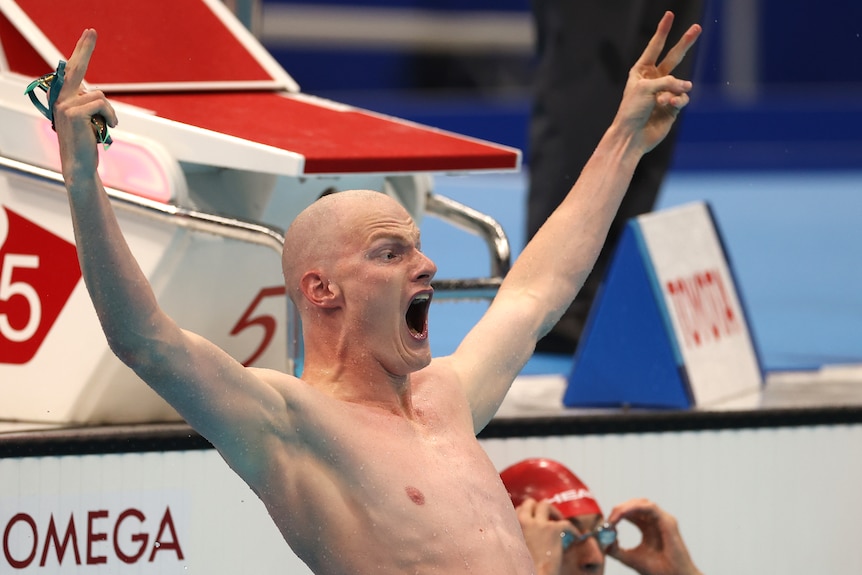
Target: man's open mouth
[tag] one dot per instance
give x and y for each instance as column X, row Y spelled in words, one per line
column 417, row 316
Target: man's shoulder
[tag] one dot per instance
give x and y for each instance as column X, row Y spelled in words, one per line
column 440, row 373
column 274, row 376
column 441, row 383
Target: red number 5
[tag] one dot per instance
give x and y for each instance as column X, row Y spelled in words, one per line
column 266, row 321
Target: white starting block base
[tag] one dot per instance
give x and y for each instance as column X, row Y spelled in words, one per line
column 211, row 285
column 211, row 126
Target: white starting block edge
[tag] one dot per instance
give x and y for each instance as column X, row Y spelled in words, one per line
column 837, row 373
column 668, row 328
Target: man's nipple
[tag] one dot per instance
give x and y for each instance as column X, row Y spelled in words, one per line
column 415, row 495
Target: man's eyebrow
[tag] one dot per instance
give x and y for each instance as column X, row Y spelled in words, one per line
column 395, row 237
column 388, row 239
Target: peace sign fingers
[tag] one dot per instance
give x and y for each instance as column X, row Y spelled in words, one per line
column 676, row 54
column 649, row 58
column 656, row 44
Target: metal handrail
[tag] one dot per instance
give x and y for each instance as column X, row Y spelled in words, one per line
column 233, row 228
column 487, row 228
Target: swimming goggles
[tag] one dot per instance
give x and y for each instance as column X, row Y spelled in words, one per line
column 51, row 84
column 605, row 534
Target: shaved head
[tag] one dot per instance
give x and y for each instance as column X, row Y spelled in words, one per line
column 319, row 234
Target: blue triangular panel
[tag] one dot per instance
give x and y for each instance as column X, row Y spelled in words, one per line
column 627, row 355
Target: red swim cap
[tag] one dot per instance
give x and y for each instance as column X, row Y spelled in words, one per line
column 545, row 479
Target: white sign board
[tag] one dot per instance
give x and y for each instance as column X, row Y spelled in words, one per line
column 701, row 300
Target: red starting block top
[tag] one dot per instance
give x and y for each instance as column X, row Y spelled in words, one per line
column 332, row 139
column 192, row 62
column 144, row 45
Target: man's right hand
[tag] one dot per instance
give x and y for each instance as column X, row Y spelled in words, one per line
column 74, row 110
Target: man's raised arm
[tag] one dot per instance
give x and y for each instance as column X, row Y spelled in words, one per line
column 122, row 297
column 554, row 265
column 223, row 400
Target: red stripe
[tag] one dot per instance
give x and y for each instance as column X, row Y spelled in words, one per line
column 177, row 41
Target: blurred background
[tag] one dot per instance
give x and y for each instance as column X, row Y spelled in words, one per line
column 772, row 137
column 778, row 82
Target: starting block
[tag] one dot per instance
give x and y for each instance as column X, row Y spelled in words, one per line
column 668, row 328
column 217, row 152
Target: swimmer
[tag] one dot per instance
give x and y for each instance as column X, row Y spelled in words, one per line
column 567, row 533
column 369, row 462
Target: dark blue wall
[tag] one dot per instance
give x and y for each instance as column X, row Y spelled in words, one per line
column 806, row 114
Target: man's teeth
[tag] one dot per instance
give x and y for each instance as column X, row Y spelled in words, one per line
column 421, row 297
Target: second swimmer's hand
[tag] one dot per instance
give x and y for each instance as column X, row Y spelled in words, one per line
column 661, row 550
column 543, row 527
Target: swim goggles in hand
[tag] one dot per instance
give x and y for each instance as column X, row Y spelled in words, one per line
column 605, row 534
column 51, row 85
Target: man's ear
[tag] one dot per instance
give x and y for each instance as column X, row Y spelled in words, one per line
column 319, row 290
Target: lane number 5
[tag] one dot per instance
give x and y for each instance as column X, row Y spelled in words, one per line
column 265, row 321
column 10, row 289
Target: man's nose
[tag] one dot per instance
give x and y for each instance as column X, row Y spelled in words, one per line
column 591, row 558
column 427, row 269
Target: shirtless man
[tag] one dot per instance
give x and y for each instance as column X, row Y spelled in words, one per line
column 369, row 463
